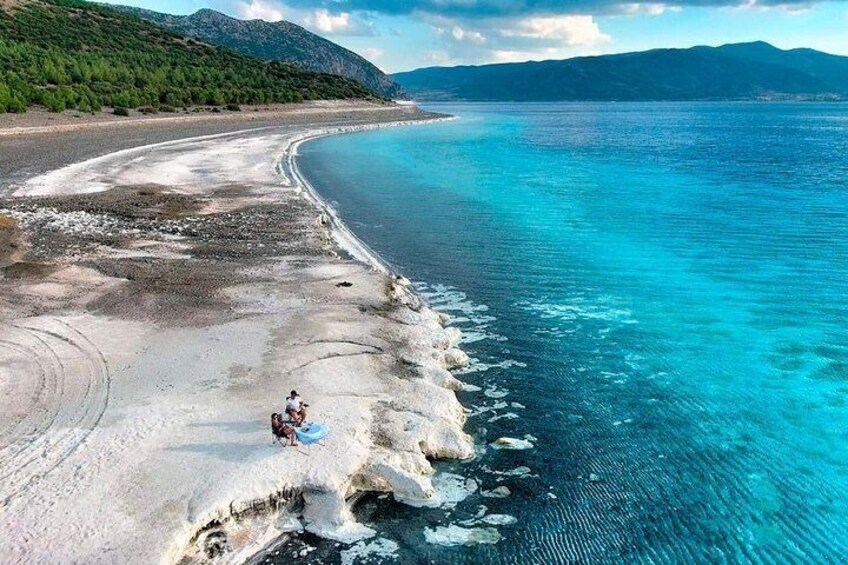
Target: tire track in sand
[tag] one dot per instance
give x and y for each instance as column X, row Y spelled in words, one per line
column 67, row 402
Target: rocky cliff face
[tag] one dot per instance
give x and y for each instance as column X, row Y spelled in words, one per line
column 281, row 40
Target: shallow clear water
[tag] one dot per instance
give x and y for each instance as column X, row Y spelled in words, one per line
column 663, row 287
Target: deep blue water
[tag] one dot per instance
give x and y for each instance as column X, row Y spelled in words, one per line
column 663, row 287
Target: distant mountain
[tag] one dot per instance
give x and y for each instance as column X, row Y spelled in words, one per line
column 276, row 41
column 743, row 71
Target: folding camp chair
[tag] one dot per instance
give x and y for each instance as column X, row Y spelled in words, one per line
column 277, row 433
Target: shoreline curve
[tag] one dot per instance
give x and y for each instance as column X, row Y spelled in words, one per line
column 343, row 236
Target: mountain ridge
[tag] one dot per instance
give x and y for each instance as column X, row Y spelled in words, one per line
column 275, row 41
column 735, row 71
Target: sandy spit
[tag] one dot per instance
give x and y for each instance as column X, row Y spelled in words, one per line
column 156, row 305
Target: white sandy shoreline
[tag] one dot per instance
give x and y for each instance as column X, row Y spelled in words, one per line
column 343, row 236
column 179, row 448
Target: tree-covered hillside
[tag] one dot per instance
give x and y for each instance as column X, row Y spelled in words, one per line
column 74, row 54
column 275, row 41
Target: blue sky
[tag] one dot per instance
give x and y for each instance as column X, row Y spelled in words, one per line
column 402, row 35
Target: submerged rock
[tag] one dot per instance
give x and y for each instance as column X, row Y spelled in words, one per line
column 499, row 520
column 455, row 535
column 495, row 392
column 498, row 492
column 511, row 443
column 449, row 490
column 518, row 472
column 362, row 552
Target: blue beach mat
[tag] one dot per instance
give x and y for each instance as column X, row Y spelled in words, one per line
column 311, row 433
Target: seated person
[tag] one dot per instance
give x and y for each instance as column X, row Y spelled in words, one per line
column 280, row 428
column 295, row 408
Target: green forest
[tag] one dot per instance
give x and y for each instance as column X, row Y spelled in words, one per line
column 69, row 54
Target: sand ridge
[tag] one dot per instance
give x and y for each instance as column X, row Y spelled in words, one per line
column 169, row 297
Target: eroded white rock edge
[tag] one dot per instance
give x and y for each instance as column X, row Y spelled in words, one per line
column 415, row 437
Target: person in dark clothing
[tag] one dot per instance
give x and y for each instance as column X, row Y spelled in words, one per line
column 282, row 429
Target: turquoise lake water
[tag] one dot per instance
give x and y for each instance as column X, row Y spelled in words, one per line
column 663, row 290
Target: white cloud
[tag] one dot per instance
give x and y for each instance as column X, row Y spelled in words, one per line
column 260, row 10
column 371, row 53
column 539, row 54
column 791, row 8
column 461, row 34
column 341, row 23
column 648, row 8
column 565, row 30
column 438, row 58
column 514, row 56
column 501, row 39
column 328, row 23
